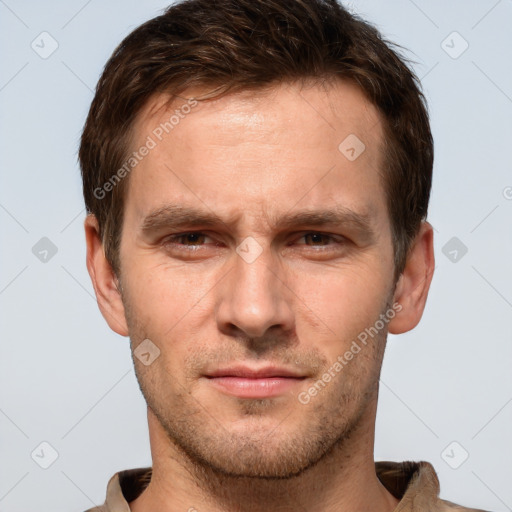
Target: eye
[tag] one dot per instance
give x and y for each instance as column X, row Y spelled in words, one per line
column 198, row 241
column 188, row 241
column 316, row 239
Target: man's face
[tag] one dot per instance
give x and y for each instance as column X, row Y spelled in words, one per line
column 251, row 291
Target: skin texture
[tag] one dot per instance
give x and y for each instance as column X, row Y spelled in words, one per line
column 252, row 159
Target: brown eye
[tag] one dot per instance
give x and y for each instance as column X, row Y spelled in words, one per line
column 190, row 241
column 191, row 238
column 314, row 239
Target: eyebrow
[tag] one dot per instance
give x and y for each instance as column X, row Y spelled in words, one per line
column 180, row 217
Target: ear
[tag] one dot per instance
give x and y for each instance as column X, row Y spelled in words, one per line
column 104, row 280
column 414, row 283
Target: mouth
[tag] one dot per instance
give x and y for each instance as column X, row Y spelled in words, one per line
column 244, row 382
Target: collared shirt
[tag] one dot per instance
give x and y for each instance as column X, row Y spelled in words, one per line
column 415, row 484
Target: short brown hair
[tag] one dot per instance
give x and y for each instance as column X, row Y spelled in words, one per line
column 236, row 45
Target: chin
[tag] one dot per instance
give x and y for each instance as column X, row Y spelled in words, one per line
column 256, row 448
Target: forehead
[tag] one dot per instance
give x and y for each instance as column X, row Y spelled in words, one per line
column 338, row 105
column 270, row 148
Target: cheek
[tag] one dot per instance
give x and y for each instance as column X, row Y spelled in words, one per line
column 168, row 302
column 341, row 302
column 167, row 292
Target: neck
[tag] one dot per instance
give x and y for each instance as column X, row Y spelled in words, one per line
column 344, row 479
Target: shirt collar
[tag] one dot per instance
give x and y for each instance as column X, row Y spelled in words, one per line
column 415, row 484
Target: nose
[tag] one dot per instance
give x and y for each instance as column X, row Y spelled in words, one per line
column 254, row 297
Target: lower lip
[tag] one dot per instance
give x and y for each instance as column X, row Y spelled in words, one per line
column 255, row 388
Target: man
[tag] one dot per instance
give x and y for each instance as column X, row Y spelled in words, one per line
column 257, row 177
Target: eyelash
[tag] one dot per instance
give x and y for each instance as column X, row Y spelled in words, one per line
column 172, row 240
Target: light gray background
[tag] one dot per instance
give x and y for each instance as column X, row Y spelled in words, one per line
column 66, row 379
